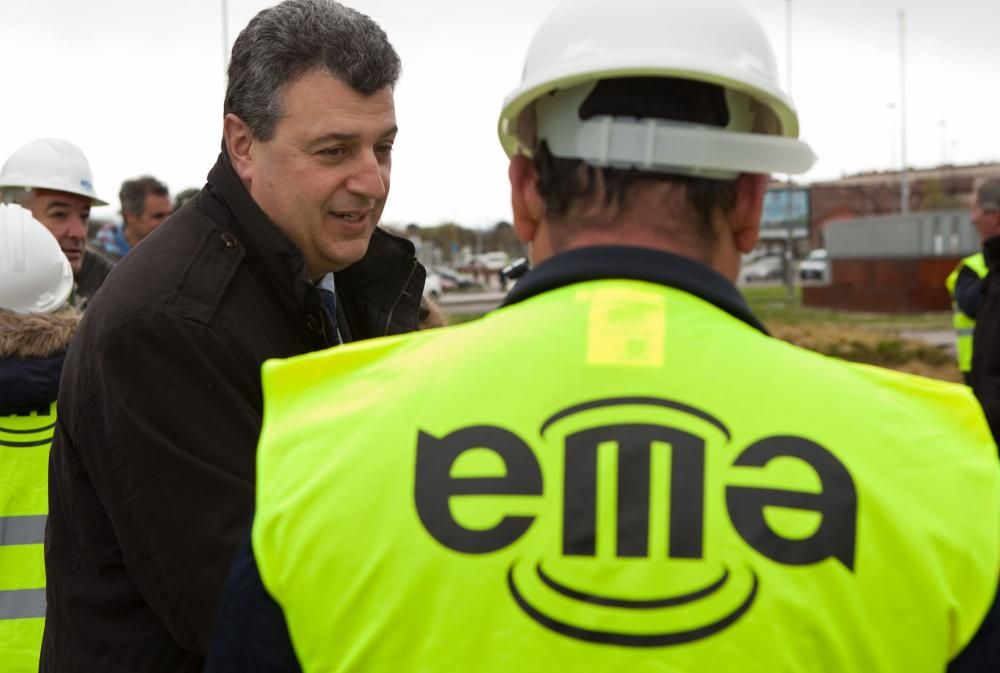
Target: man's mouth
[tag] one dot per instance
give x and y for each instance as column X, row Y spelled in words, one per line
column 350, row 216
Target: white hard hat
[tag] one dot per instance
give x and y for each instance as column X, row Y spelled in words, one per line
column 50, row 163
column 35, row 276
column 713, row 41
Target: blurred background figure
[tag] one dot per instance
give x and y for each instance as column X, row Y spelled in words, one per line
column 35, row 329
column 184, row 196
column 965, row 283
column 51, row 178
column 145, row 205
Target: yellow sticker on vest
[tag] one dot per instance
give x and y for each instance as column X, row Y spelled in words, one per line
column 626, row 327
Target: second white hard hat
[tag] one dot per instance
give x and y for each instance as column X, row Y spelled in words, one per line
column 50, row 163
column 35, row 276
column 713, row 41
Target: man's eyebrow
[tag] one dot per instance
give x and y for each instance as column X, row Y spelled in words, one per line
column 348, row 137
column 58, row 204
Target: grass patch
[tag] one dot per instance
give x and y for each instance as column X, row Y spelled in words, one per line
column 771, row 304
column 869, row 338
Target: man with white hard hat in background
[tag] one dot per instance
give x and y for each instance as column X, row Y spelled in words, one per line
column 51, row 178
column 649, row 481
column 35, row 329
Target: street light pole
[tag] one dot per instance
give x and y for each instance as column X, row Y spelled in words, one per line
column 225, row 38
column 904, row 192
column 789, row 219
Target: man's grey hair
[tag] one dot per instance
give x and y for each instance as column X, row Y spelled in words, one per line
column 133, row 193
column 988, row 193
column 284, row 42
column 22, row 196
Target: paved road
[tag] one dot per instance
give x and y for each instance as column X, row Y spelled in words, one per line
column 456, row 303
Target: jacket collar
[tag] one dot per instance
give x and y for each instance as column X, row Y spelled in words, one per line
column 379, row 279
column 633, row 263
column 385, row 283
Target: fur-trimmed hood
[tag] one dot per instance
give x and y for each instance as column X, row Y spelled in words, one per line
column 36, row 336
column 32, row 349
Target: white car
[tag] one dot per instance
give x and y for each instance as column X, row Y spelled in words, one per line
column 765, row 268
column 816, row 266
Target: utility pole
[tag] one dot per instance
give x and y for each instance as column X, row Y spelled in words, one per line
column 225, row 39
column 904, row 192
column 943, row 123
column 789, row 213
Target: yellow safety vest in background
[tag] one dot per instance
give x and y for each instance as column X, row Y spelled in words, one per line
column 619, row 476
column 965, row 326
column 24, row 470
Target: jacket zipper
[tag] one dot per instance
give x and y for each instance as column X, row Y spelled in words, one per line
column 392, row 309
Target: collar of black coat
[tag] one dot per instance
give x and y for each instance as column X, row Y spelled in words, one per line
column 633, row 263
column 379, row 278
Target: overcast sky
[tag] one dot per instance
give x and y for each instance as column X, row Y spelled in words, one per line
column 138, row 85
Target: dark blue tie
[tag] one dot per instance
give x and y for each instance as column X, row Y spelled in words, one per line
column 329, row 301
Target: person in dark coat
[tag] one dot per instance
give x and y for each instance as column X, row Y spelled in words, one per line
column 152, row 467
column 985, row 375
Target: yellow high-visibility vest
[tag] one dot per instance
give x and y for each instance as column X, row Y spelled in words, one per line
column 24, row 463
column 965, row 326
column 619, row 476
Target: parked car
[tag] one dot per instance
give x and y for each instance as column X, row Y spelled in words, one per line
column 494, row 261
column 457, row 279
column 765, row 268
column 816, row 265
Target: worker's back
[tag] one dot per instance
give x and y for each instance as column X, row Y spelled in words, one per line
column 617, row 475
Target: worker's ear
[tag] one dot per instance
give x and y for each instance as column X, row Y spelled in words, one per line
column 744, row 218
column 239, row 142
column 527, row 204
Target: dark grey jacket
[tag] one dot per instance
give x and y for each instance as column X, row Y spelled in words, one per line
column 152, row 467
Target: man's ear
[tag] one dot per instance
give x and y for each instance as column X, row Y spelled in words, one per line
column 527, row 205
column 744, row 221
column 238, row 138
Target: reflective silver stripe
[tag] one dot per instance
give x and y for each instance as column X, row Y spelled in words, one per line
column 966, row 331
column 22, row 604
column 22, row 530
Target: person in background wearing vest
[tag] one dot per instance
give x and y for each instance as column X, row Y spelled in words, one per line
column 964, row 283
column 51, row 178
column 647, row 481
column 160, row 406
column 145, row 205
column 35, row 329
column 985, row 344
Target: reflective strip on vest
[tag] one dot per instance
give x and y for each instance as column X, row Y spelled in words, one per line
column 24, row 459
column 22, row 530
column 616, row 475
column 964, row 325
column 22, row 604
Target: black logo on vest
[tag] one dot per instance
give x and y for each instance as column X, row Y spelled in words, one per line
column 835, row 503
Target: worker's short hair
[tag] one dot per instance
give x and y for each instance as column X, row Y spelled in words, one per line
column 133, row 193
column 988, row 193
column 563, row 182
column 286, row 41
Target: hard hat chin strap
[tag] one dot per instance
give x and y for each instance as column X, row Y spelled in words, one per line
column 665, row 146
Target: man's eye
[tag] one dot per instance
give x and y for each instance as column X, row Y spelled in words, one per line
column 385, row 149
column 334, row 152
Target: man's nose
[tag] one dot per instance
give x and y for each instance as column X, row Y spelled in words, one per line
column 368, row 179
column 77, row 227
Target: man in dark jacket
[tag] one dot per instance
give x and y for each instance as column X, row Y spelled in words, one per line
column 985, row 375
column 152, row 465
